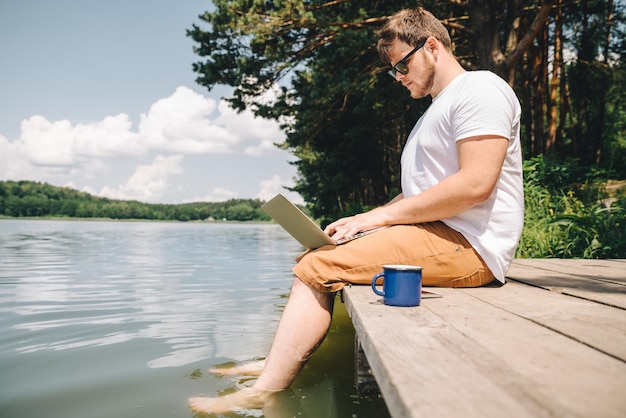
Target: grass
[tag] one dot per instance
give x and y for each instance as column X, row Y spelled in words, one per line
column 572, row 212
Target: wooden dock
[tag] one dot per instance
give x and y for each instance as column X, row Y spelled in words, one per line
column 549, row 343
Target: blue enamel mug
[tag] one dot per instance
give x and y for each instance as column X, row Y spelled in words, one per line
column 402, row 285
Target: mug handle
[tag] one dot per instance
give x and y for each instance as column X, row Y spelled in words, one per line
column 378, row 292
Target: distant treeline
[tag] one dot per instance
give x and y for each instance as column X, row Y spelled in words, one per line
column 33, row 199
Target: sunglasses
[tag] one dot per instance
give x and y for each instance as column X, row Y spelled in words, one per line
column 401, row 66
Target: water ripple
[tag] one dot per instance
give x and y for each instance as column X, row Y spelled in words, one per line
column 199, row 289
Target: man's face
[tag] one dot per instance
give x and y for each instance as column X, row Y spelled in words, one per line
column 420, row 78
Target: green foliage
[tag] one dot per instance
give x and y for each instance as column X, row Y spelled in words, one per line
column 563, row 218
column 346, row 121
column 569, row 219
column 32, row 199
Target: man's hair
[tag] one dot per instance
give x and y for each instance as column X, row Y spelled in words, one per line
column 411, row 26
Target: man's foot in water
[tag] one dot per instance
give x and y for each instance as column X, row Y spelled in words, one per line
column 248, row 398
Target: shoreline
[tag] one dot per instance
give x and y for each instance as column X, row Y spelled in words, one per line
column 71, row 218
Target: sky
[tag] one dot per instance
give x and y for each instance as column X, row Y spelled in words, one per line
column 100, row 96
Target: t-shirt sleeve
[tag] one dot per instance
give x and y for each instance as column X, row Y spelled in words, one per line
column 486, row 105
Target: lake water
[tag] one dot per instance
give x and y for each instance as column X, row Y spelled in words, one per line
column 123, row 319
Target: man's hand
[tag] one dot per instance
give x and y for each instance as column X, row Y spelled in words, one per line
column 347, row 227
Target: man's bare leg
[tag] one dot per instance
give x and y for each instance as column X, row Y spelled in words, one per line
column 249, row 369
column 302, row 328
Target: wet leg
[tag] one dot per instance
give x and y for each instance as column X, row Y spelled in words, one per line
column 302, row 328
column 249, row 369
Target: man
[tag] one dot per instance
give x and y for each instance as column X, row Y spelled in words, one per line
column 459, row 216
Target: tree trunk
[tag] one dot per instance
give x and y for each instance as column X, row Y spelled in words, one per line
column 557, row 75
column 483, row 17
column 540, row 73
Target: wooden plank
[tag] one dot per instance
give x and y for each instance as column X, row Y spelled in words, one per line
column 461, row 355
column 574, row 378
column 417, row 368
column 543, row 275
column 598, row 326
column 613, row 271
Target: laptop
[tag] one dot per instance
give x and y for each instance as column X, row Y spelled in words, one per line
column 307, row 232
column 300, row 226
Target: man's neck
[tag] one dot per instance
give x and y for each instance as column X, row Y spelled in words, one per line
column 448, row 69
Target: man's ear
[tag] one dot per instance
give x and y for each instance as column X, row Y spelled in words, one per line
column 433, row 46
column 431, row 43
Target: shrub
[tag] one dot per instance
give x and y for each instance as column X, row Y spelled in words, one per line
column 569, row 212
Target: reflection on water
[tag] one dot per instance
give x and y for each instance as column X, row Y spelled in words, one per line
column 122, row 318
column 172, row 282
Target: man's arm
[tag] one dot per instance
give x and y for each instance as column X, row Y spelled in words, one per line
column 394, row 200
column 480, row 162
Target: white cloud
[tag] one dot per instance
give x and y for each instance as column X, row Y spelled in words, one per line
column 253, row 131
column 100, row 153
column 270, row 188
column 263, row 148
column 184, row 123
column 45, row 143
column 217, row 194
column 149, row 182
column 181, row 123
column 108, row 138
column 11, row 165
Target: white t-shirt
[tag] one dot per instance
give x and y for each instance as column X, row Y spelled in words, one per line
column 474, row 103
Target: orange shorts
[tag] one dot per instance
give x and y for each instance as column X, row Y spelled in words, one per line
column 448, row 260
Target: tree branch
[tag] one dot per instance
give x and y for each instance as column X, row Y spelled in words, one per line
column 523, row 45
